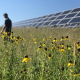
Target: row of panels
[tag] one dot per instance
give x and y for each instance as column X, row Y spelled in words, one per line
column 52, row 18
column 64, row 21
column 70, row 16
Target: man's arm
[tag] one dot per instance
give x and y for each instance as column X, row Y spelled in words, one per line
column 3, row 29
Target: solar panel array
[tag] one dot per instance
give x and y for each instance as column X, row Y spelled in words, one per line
column 69, row 18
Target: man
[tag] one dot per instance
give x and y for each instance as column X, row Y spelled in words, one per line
column 7, row 25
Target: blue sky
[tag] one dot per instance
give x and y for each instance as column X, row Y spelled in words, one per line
column 19, row 10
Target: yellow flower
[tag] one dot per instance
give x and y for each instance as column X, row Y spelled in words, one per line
column 14, row 38
column 78, row 46
column 49, row 56
column 62, row 45
column 50, row 37
column 62, row 50
column 52, row 48
column 16, row 41
column 75, row 74
column 38, row 49
column 5, row 33
column 3, row 36
column 26, row 59
column 69, row 64
column 34, row 39
column 35, row 42
column 66, row 38
column 44, row 44
column 43, row 40
column 45, row 54
column 72, row 51
column 51, row 43
column 29, row 42
column 24, row 39
column 62, row 39
column 69, row 48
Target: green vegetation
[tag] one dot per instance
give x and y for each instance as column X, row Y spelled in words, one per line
column 40, row 54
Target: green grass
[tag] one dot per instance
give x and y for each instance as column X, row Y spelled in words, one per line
column 40, row 67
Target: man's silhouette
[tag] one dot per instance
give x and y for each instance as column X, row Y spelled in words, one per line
column 7, row 25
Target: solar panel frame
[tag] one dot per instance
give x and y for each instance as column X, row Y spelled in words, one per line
column 43, row 20
column 78, row 14
column 74, row 20
column 66, row 12
column 54, row 22
column 56, row 14
column 46, row 23
column 63, row 21
column 59, row 17
column 76, row 10
column 70, row 15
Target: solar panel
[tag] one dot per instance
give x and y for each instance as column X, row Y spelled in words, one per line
column 45, row 19
column 57, row 14
column 75, row 20
column 66, row 12
column 54, row 22
column 61, row 25
column 75, row 10
column 63, row 19
column 70, row 15
column 39, row 24
column 47, row 23
column 43, row 16
column 34, row 24
column 50, row 15
column 39, row 20
column 66, row 25
column 60, row 17
column 78, row 14
column 52, row 18
column 73, row 24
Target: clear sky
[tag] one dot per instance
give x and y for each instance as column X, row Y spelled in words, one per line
column 19, row 10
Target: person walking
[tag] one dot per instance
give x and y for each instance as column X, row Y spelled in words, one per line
column 7, row 25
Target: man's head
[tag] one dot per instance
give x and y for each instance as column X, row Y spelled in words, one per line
column 5, row 15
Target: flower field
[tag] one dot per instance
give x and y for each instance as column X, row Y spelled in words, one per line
column 40, row 54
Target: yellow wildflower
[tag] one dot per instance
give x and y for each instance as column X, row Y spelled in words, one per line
column 29, row 42
column 26, row 59
column 51, row 48
column 62, row 38
column 50, row 37
column 43, row 40
column 45, row 54
column 66, row 38
column 49, row 56
column 55, row 40
column 78, row 46
column 35, row 42
column 62, row 50
column 3, row 36
column 34, row 39
column 44, row 44
column 38, row 49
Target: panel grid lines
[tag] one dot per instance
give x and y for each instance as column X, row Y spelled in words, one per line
column 64, row 19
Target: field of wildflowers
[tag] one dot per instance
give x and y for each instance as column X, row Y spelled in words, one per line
column 40, row 54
